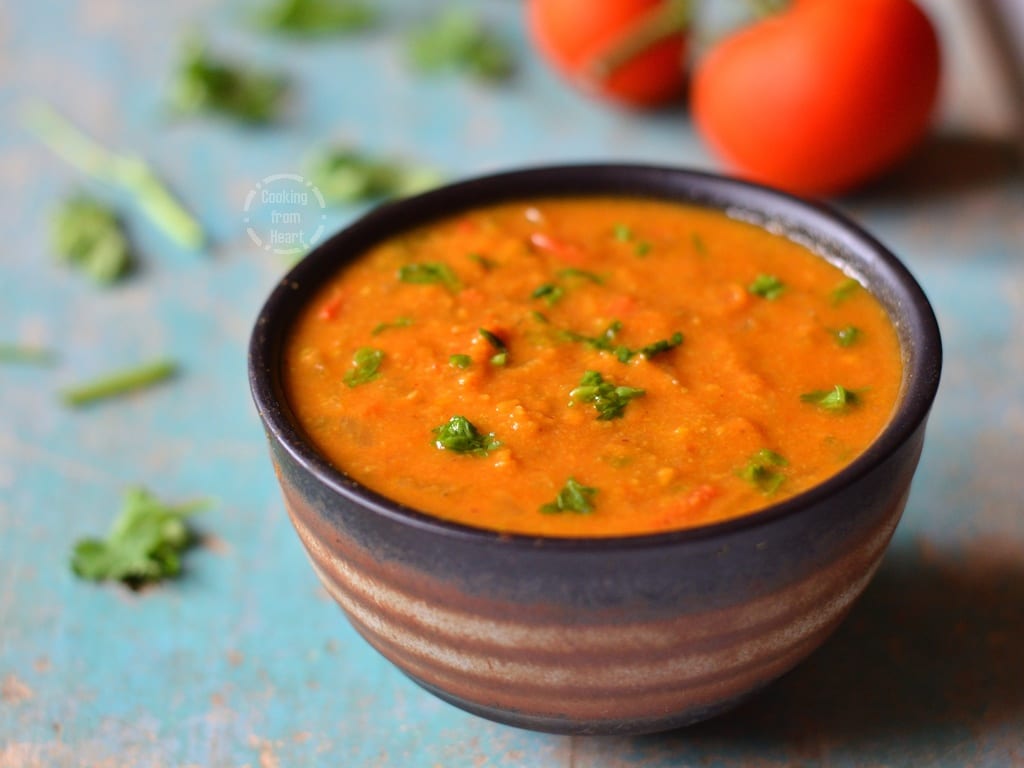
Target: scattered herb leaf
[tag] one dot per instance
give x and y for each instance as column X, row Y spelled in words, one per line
column 426, row 273
column 365, row 366
column 582, row 273
column 126, row 171
column 540, row 317
column 144, row 545
column 460, row 361
column 609, row 400
column 88, row 236
column 605, row 342
column 460, row 436
column 698, row 244
column 767, row 287
column 17, row 353
column 762, row 470
column 846, row 337
column 345, row 176
column 316, row 17
column 574, row 497
column 206, row 83
column 500, row 348
column 642, row 248
column 483, row 261
column 836, row 399
column 398, row 322
column 664, row 345
column 623, row 233
column 844, row 290
column 456, row 40
column 550, row 292
column 120, row 383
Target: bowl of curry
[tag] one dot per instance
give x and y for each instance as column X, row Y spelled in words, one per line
column 596, row 449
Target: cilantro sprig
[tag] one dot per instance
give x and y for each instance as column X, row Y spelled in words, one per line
column 763, row 471
column 574, row 497
column 839, row 398
column 459, row 435
column 767, row 287
column 606, row 342
column 428, row 273
column 88, row 236
column 609, row 400
column 457, row 40
column 121, row 382
column 345, row 175
column 365, row 368
column 144, row 545
column 308, row 18
column 500, row 356
column 206, row 83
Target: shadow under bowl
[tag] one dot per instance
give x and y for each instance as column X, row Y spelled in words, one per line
column 616, row 635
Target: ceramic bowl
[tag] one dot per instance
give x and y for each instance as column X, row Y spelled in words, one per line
column 616, row 635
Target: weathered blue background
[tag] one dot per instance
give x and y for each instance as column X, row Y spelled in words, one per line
column 245, row 660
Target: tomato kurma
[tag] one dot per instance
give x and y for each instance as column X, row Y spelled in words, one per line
column 590, row 367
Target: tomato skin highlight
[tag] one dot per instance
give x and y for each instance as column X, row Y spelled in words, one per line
column 822, row 97
column 572, row 34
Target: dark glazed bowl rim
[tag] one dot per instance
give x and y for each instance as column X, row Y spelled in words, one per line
column 825, row 228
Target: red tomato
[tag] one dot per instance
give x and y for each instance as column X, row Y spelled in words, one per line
column 821, row 97
column 574, row 35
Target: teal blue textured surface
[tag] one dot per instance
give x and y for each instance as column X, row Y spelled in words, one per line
column 245, row 660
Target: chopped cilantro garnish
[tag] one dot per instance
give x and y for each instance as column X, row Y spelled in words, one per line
column 540, row 317
column 642, row 248
column 345, row 175
column 129, row 172
column 483, row 261
column 500, row 348
column 609, row 400
column 574, row 497
column 120, row 383
column 316, row 17
column 460, row 361
column 145, row 542
column 623, row 233
column 456, row 40
column 427, row 273
column 698, row 244
column 605, row 342
column 582, row 273
column 762, row 470
column 846, row 337
column 398, row 322
column 87, row 235
column 207, row 83
column 550, row 292
column 844, row 290
column 664, row 345
column 836, row 399
column 767, row 286
column 365, row 366
column 18, row 353
column 460, row 436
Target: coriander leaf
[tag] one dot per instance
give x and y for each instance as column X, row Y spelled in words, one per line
column 836, row 399
column 207, row 83
column 460, row 361
column 316, row 17
column 145, row 542
column 550, row 292
column 609, row 400
column 762, row 470
column 88, row 236
column 345, row 175
column 456, row 40
column 582, row 273
column 843, row 291
column 603, row 343
column 365, row 366
column 767, row 286
column 642, row 248
column 127, row 171
column 698, row 244
column 483, row 261
column 428, row 273
column 120, row 383
column 664, row 345
column 846, row 337
column 16, row 353
column 622, row 233
column 398, row 322
column 574, row 497
column 540, row 317
column 460, row 436
column 500, row 348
